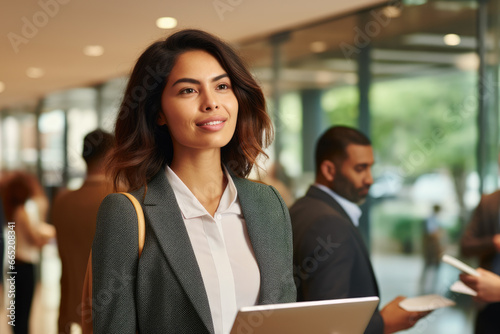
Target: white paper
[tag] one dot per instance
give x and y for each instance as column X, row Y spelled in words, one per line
column 425, row 303
column 460, row 287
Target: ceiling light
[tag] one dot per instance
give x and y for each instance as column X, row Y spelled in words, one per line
column 166, row 23
column 392, row 11
column 35, row 72
column 93, row 50
column 318, row 47
column 451, row 39
column 2, row 86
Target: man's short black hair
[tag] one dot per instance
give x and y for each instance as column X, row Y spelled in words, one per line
column 96, row 145
column 333, row 143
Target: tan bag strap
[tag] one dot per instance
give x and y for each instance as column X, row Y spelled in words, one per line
column 87, row 285
column 141, row 223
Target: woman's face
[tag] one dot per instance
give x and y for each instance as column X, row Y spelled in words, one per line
column 198, row 103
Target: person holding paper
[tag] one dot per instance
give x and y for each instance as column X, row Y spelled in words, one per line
column 330, row 258
column 481, row 239
column 487, row 285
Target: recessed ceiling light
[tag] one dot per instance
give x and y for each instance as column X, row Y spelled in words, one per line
column 166, row 23
column 93, row 50
column 392, row 11
column 318, row 47
column 451, row 39
column 35, row 72
column 2, row 86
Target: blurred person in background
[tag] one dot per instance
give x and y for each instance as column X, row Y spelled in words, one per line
column 432, row 251
column 25, row 204
column 271, row 178
column 481, row 239
column 74, row 215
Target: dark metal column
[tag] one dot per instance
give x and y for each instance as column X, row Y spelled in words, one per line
column 276, row 42
column 65, row 171
column 364, row 82
column 482, row 114
column 99, row 101
column 364, row 123
column 312, row 126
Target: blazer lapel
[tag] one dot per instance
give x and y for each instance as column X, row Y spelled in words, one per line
column 256, row 217
column 166, row 220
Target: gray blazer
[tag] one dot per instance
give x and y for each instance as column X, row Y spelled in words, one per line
column 163, row 291
column 330, row 258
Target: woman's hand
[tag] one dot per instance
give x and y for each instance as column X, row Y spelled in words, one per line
column 45, row 233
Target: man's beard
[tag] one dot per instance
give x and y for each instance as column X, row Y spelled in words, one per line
column 346, row 189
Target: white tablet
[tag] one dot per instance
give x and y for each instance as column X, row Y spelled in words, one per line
column 342, row 316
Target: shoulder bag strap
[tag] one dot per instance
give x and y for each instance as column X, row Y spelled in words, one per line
column 141, row 224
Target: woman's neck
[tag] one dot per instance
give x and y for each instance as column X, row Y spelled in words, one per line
column 203, row 175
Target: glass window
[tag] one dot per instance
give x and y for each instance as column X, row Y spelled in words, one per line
column 80, row 122
column 51, row 125
column 112, row 94
column 18, row 134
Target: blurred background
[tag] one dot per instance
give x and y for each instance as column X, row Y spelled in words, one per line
column 420, row 77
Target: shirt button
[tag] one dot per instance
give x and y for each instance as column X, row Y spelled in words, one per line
column 219, row 216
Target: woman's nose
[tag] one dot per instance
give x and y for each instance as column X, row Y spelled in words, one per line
column 210, row 103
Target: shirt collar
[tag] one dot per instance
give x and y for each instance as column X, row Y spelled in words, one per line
column 189, row 204
column 352, row 209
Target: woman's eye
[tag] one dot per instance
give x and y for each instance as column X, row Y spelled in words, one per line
column 187, row 91
column 222, row 86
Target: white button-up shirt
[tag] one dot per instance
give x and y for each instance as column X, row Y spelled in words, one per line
column 223, row 251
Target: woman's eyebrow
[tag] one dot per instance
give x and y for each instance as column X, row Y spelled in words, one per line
column 196, row 82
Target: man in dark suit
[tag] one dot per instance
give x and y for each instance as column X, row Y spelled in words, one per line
column 331, row 260
column 482, row 239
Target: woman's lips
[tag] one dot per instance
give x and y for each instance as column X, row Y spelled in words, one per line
column 211, row 125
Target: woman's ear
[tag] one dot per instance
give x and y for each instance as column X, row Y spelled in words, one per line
column 328, row 170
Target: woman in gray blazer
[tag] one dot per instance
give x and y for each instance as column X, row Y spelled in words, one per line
column 189, row 130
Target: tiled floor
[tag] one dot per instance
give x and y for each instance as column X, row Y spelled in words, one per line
column 397, row 275
column 400, row 275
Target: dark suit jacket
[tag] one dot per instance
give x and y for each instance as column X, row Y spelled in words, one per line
column 477, row 239
column 330, row 257
column 163, row 292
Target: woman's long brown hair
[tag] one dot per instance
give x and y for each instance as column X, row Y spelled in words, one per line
column 143, row 148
